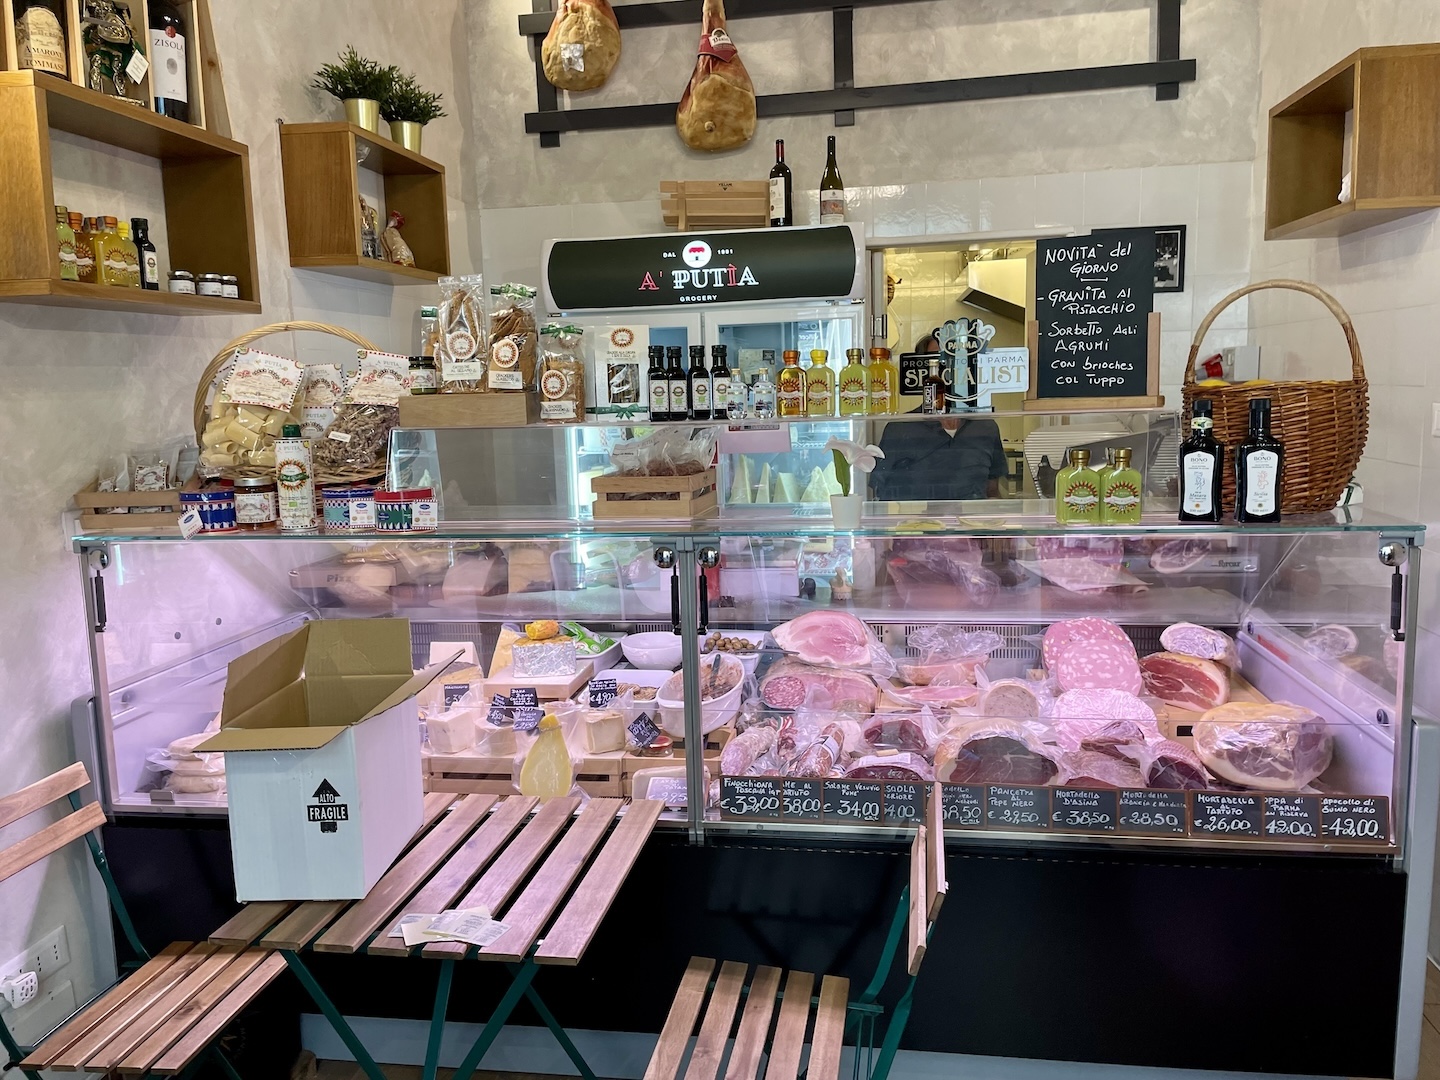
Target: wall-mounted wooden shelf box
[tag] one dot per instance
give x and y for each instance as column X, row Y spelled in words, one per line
column 1392, row 95
column 208, row 211
column 322, row 202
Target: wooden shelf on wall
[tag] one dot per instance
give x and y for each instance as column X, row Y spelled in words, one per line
column 209, row 216
column 322, row 202
column 1392, row 96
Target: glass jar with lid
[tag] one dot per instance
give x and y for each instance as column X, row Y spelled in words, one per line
column 230, row 287
column 424, row 376
column 255, row 505
column 182, row 281
column 210, row 285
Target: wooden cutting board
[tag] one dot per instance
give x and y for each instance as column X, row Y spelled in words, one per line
column 1175, row 723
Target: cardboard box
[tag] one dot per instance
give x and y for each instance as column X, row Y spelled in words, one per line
column 321, row 736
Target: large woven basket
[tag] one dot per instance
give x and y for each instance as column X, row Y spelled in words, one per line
column 1323, row 424
column 209, row 380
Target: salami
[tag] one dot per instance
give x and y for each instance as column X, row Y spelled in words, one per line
column 1188, row 639
column 817, row 760
column 741, row 753
column 790, row 683
column 1098, row 665
column 904, row 766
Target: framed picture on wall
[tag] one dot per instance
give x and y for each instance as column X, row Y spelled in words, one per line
column 1170, row 259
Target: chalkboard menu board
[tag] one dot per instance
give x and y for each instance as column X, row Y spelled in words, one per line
column 1083, row 810
column 1225, row 814
column 1017, row 807
column 1093, row 345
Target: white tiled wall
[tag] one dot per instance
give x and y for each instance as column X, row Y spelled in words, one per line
column 1212, row 201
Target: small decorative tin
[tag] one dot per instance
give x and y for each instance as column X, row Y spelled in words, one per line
column 392, row 511
column 216, row 506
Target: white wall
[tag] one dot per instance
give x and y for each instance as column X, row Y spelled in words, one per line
column 77, row 387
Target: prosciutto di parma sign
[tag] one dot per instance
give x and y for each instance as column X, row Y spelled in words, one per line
column 827, row 262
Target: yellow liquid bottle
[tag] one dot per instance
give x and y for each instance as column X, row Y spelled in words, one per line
column 84, row 253
column 131, row 254
column 819, row 385
column 115, row 268
column 854, row 385
column 1122, row 491
column 65, row 237
column 100, row 247
column 1077, row 492
column 790, row 387
column 547, row 772
column 884, row 383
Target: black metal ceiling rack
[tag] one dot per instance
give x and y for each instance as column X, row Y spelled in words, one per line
column 1165, row 73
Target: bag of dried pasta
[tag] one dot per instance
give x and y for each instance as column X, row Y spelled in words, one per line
column 562, row 374
column 257, row 396
column 460, row 353
column 359, row 436
column 513, row 338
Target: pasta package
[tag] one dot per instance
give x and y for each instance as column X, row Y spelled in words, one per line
column 258, row 396
column 513, row 339
column 359, row 436
column 562, row 375
column 460, row 351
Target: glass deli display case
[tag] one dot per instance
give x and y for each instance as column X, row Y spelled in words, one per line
column 1144, row 685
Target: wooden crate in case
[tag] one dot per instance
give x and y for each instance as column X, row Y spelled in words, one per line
column 469, row 773
column 162, row 516
column 696, row 497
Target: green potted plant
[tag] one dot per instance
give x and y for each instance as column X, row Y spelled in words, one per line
column 360, row 83
column 409, row 107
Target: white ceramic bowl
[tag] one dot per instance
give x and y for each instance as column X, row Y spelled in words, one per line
column 751, row 660
column 715, row 713
column 657, row 651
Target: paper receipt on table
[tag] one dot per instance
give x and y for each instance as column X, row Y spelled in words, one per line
column 472, row 925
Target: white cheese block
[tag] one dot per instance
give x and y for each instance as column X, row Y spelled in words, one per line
column 494, row 740
column 604, row 730
column 451, row 732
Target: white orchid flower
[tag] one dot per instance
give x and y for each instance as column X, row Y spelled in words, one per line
column 863, row 458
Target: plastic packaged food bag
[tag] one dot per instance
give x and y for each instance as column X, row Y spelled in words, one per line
column 460, row 351
column 514, row 339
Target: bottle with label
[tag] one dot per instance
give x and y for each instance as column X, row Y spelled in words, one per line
column 84, row 248
column 1077, row 492
column 294, row 481
column 659, row 385
column 1259, row 469
column 65, row 237
column 832, row 191
column 699, row 380
column 790, row 396
column 40, row 38
column 720, row 383
column 820, row 385
column 884, row 383
column 169, row 69
column 429, row 331
column 1106, row 465
column 130, row 251
column 932, row 392
column 1202, row 465
column 782, row 190
column 1122, row 491
column 675, row 379
column 762, row 404
column 109, row 258
column 854, row 384
column 149, row 258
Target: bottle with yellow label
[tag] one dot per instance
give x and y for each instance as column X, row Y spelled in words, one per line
column 105, row 244
column 84, row 232
column 884, row 383
column 1077, row 491
column 790, row 387
column 131, row 254
column 854, row 385
column 65, row 236
column 1121, row 491
column 819, row 385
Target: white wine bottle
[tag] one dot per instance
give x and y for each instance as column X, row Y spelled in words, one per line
column 832, row 191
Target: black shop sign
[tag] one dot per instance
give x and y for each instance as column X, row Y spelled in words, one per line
column 681, row 270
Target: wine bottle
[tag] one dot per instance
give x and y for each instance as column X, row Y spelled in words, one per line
column 659, row 386
column 699, row 384
column 169, row 72
column 832, row 191
column 782, row 190
column 1202, row 463
column 720, row 384
column 1259, row 469
column 40, row 39
column 679, row 390
column 932, row 395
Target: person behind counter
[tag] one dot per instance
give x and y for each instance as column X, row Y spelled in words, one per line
column 951, row 459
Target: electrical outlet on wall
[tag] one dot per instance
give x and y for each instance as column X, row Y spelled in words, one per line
column 45, row 957
column 48, row 1010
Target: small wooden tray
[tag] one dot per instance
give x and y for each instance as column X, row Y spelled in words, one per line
column 469, row 410
column 697, row 496
column 166, row 522
column 468, row 773
column 715, row 204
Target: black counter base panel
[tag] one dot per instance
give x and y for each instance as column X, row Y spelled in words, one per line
column 1264, row 965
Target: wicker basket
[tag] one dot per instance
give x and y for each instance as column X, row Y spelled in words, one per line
column 1323, row 424
column 208, row 385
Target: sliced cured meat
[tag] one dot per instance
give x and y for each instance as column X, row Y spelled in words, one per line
column 789, row 684
column 1080, row 714
column 1084, row 564
column 1172, row 766
column 1273, row 746
column 741, row 752
column 1098, row 665
column 1058, row 636
column 1122, row 739
column 904, row 766
column 917, row 673
column 1189, row 639
column 717, row 110
column 1177, row 556
column 1013, row 699
column 836, row 638
column 993, row 751
column 897, row 730
column 940, row 696
column 1089, row 769
column 1332, row 642
column 1186, row 682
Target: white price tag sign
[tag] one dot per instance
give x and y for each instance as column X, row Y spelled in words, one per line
column 1001, row 371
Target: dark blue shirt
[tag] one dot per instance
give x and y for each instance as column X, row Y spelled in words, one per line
column 925, row 462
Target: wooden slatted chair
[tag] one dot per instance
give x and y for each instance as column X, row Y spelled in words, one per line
column 712, row 999
column 163, row 1017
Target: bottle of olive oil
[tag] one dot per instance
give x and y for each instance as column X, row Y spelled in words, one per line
column 1121, row 491
column 854, row 385
column 1259, row 469
column 1077, row 492
column 791, row 386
